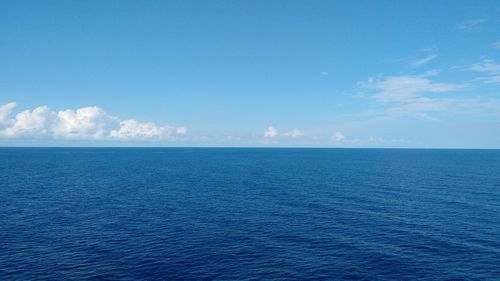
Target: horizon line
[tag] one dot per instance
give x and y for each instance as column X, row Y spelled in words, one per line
column 258, row 147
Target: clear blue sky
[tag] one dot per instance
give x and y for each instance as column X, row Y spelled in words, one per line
column 250, row 73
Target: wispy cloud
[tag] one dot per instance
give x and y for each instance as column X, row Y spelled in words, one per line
column 409, row 95
column 496, row 45
column 471, row 24
column 430, row 55
column 495, row 79
column 405, row 87
column 490, row 68
column 423, row 60
column 430, row 73
column 86, row 123
column 486, row 65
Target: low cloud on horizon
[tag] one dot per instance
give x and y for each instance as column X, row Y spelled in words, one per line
column 86, row 123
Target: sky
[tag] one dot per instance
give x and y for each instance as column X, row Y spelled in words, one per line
column 415, row 74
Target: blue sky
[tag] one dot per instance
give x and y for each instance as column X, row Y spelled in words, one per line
column 250, row 73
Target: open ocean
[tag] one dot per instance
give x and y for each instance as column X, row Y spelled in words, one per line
column 249, row 214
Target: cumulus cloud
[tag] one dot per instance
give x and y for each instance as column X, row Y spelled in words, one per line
column 86, row 123
column 5, row 111
column 271, row 132
column 83, row 123
column 338, row 136
column 132, row 129
column 471, row 24
column 30, row 123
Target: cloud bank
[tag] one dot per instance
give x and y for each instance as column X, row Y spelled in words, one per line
column 272, row 132
column 86, row 123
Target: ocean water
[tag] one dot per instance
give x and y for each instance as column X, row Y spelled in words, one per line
column 249, row 214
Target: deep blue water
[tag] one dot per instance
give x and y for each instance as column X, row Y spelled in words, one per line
column 257, row 214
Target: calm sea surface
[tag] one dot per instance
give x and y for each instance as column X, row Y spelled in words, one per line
column 256, row 214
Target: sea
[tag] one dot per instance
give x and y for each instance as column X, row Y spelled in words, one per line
column 249, row 214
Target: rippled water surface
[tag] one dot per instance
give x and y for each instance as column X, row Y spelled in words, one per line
column 258, row 214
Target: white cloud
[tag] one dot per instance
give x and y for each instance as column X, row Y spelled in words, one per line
column 295, row 133
column 86, row 123
column 338, row 136
column 496, row 45
column 181, row 131
column 271, row 132
column 471, row 24
column 491, row 80
column 486, row 65
column 5, row 111
column 419, row 107
column 490, row 67
column 417, row 97
column 83, row 123
column 430, row 55
column 405, row 87
column 430, row 73
column 424, row 60
column 376, row 140
column 132, row 129
column 30, row 123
